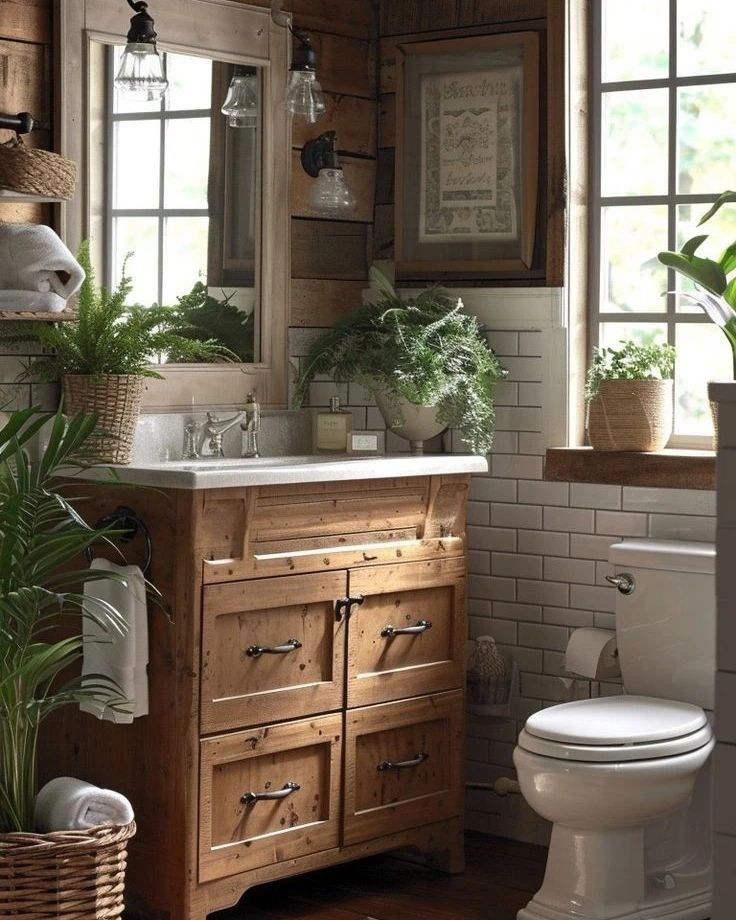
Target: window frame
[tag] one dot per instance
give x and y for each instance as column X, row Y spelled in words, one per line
column 670, row 318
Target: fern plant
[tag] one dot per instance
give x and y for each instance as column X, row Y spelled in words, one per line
column 208, row 318
column 423, row 349
column 630, row 362
column 110, row 337
column 41, row 537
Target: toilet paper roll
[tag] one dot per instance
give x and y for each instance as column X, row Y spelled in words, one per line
column 593, row 653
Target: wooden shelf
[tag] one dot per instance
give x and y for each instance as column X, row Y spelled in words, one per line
column 667, row 469
column 19, row 316
column 23, row 197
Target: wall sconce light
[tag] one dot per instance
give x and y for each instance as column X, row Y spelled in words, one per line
column 141, row 70
column 241, row 103
column 330, row 194
column 304, row 94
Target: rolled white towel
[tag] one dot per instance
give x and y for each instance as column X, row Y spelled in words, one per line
column 66, row 803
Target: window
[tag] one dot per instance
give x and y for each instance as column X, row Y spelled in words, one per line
column 663, row 148
column 158, row 174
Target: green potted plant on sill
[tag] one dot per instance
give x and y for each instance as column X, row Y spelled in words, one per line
column 41, row 539
column 629, row 395
column 424, row 361
column 103, row 357
column 714, row 282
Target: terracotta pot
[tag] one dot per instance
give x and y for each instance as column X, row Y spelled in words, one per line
column 635, row 415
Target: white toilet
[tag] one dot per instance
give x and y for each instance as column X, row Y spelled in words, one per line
column 621, row 778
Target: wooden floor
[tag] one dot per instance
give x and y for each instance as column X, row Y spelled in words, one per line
column 500, row 877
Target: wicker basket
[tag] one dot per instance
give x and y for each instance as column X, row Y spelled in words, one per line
column 116, row 401
column 634, row 415
column 67, row 875
column 36, row 172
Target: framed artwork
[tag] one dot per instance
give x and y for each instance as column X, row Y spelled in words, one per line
column 467, row 156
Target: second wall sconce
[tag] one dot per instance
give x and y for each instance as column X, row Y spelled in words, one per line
column 304, row 94
column 141, row 70
column 241, row 103
column 330, row 195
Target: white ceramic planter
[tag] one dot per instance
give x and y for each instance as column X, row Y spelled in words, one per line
column 415, row 423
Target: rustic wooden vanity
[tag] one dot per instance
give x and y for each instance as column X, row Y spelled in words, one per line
column 306, row 687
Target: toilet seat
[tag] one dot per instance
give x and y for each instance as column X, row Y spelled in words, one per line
column 620, row 728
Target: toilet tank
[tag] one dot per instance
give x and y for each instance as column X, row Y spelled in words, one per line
column 665, row 628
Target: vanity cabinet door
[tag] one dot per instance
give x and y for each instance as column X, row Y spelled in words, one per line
column 268, row 795
column 403, row 765
column 408, row 635
column 272, row 649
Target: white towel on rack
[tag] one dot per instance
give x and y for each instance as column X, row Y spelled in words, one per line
column 123, row 659
column 66, row 803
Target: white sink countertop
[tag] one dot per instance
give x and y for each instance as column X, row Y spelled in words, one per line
column 211, row 473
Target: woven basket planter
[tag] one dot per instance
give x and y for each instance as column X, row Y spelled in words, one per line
column 116, row 401
column 67, row 875
column 36, row 172
column 634, row 415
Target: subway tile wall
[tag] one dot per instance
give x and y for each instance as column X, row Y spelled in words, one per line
column 537, row 561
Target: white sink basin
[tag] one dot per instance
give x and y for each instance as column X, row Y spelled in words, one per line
column 208, row 464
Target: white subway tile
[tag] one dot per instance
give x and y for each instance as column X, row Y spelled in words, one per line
column 602, row 570
column 581, row 571
column 496, row 538
column 488, row 489
column 682, row 527
column 530, row 394
column 564, row 616
column 479, row 513
column 516, row 565
column 576, row 520
column 530, row 343
column 552, row 593
column 543, row 493
column 553, row 662
column 605, row 621
column 532, row 442
column 506, row 393
column 503, row 343
column 320, row 393
column 504, row 442
column 479, row 562
column 532, row 613
column 503, row 631
column 543, row 636
column 529, row 369
column 477, row 607
column 584, row 546
column 518, row 418
column 491, row 588
column 527, row 516
column 669, row 501
column 515, row 465
column 544, row 542
column 586, row 495
column 545, row 685
column 358, row 395
column 591, row 597
column 621, row 523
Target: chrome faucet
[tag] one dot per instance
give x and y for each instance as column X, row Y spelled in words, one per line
column 213, row 431
column 251, row 427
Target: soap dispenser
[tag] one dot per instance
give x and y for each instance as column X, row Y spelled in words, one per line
column 333, row 429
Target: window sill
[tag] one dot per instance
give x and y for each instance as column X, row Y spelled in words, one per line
column 667, row 469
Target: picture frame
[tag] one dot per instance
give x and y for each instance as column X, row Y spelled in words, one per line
column 467, row 156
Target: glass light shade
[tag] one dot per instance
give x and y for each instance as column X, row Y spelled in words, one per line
column 304, row 95
column 330, row 194
column 241, row 104
column 141, row 71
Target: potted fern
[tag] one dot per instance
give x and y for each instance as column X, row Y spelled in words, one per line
column 425, row 362
column 74, row 873
column 103, row 357
column 629, row 394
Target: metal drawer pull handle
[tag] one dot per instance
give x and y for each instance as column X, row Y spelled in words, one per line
column 388, row 632
column 291, row 645
column 250, row 797
column 400, row 764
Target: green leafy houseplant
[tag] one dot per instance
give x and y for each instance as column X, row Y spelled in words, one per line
column 629, row 393
column 714, row 280
column 41, row 538
column 423, row 349
column 206, row 318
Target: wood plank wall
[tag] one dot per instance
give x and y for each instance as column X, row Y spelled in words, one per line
column 25, row 82
column 417, row 20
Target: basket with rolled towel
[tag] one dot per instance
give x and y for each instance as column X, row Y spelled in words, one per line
column 75, row 866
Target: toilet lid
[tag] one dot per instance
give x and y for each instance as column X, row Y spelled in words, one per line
column 616, row 720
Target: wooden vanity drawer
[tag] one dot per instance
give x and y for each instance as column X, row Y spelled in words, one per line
column 403, row 765
column 272, row 649
column 427, row 601
column 238, row 833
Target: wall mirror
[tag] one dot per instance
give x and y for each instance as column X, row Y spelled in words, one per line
column 193, row 199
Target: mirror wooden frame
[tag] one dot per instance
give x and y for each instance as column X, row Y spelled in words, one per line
column 224, row 30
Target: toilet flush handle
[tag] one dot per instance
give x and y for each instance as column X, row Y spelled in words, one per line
column 624, row 582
